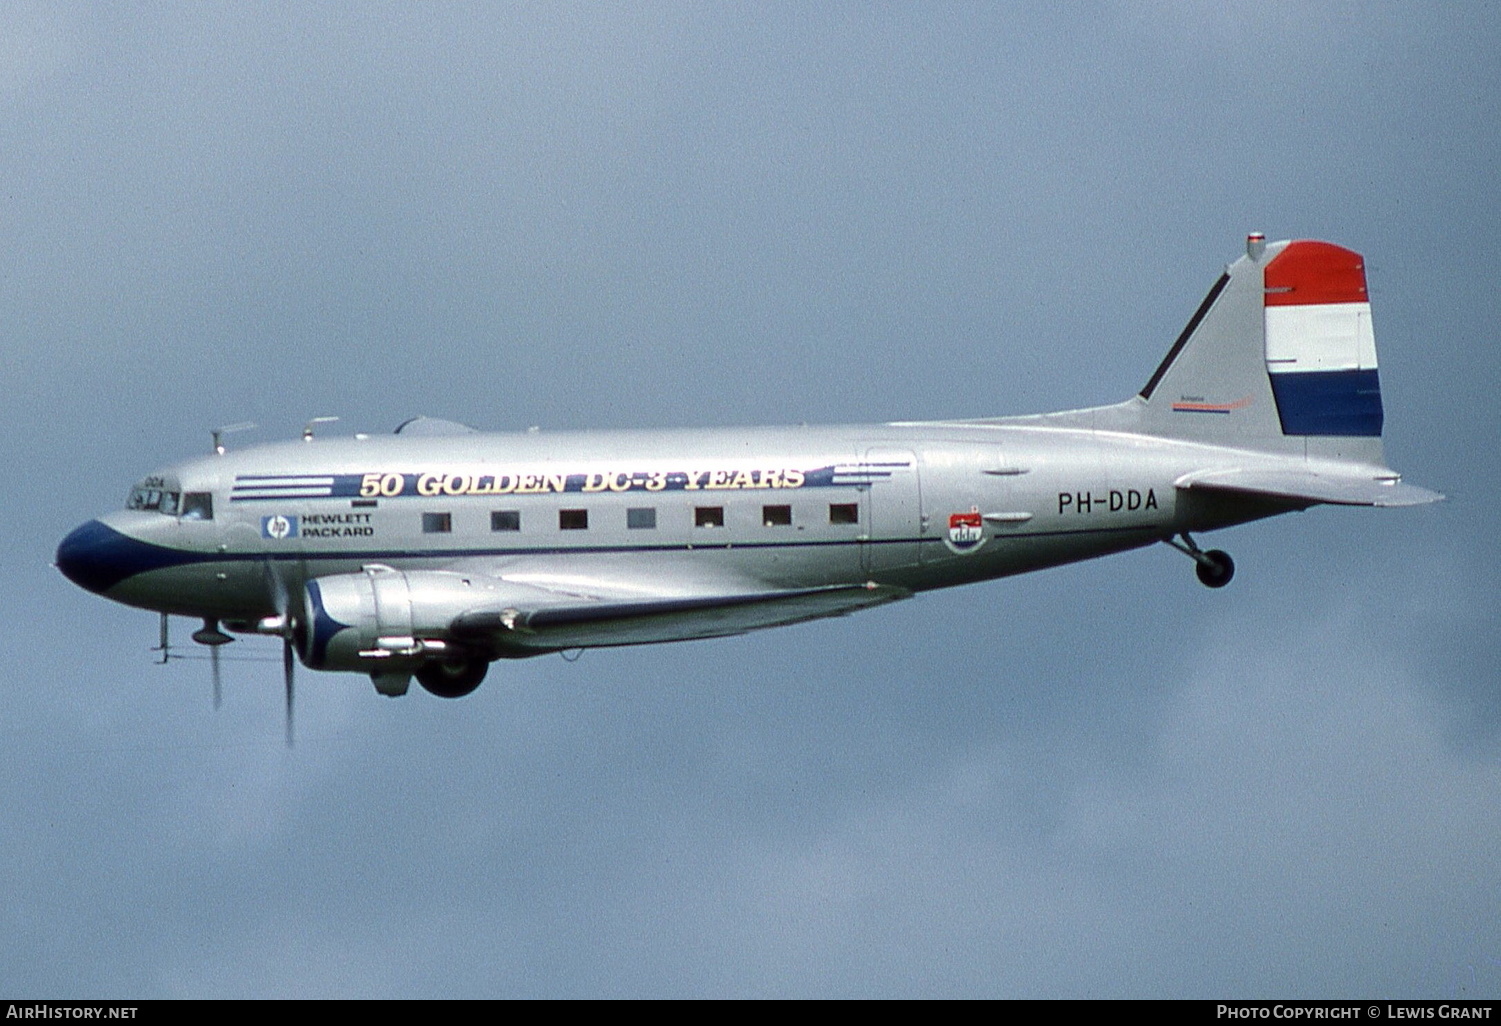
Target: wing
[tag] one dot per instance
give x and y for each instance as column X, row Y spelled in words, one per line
column 531, row 607
column 1308, row 486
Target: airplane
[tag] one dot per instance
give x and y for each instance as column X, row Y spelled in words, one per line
column 437, row 550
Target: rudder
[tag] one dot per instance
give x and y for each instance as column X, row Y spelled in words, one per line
column 1320, row 346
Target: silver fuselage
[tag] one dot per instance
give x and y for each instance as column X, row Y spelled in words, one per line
column 794, row 507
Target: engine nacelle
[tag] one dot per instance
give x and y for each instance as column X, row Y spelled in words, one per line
column 383, row 620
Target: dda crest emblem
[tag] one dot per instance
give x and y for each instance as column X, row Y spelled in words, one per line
column 966, row 531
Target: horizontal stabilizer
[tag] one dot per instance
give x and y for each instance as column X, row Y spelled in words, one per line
column 1310, row 486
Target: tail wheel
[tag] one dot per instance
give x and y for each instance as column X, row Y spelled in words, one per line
column 1215, row 568
column 452, row 678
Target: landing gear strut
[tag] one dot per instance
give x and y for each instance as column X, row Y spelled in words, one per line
column 1215, row 568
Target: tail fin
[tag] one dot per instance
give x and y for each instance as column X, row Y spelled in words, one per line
column 1279, row 359
column 1280, row 356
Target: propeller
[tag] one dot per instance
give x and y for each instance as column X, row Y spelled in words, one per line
column 288, row 661
column 284, row 624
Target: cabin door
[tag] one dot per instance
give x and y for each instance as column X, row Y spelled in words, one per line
column 892, row 510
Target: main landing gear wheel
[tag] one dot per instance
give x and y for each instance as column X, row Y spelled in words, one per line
column 451, row 678
column 1215, row 569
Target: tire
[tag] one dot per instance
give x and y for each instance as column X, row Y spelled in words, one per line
column 1217, row 572
column 452, row 678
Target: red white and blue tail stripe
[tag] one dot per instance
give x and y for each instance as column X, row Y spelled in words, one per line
column 1320, row 346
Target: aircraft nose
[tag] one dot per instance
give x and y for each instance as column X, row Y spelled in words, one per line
column 95, row 556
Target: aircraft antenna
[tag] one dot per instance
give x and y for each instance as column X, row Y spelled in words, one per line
column 307, row 429
column 164, row 645
column 210, row 634
column 220, row 432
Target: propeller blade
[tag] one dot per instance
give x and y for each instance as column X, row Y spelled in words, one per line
column 213, row 658
column 287, row 662
column 280, row 594
column 278, row 589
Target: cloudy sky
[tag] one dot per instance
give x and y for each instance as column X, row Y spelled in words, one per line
column 1102, row 780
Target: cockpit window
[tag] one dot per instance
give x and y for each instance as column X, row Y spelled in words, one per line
column 198, row 506
column 157, row 499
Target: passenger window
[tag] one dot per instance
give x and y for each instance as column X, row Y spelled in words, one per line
column 776, row 516
column 573, row 519
column 505, row 520
column 198, row 506
column 844, row 512
column 437, row 523
column 642, row 518
column 708, row 516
